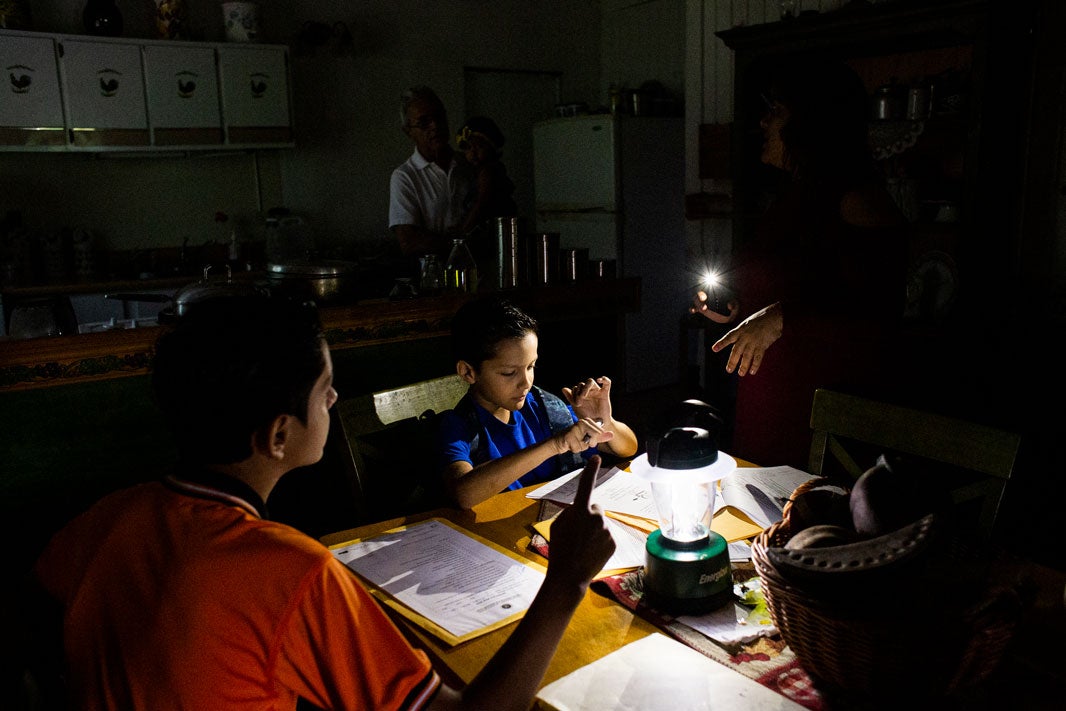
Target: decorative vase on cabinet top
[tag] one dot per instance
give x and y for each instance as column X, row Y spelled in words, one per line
column 170, row 19
column 102, row 17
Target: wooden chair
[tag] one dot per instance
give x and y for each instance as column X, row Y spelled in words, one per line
column 387, row 439
column 976, row 461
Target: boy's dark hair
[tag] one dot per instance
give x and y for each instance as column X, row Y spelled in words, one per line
column 230, row 366
column 479, row 326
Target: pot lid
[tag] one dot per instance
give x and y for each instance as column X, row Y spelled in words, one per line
column 210, row 286
column 319, row 268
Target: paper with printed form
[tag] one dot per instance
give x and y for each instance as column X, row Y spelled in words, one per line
column 449, row 581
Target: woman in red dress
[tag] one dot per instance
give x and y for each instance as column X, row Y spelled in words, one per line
column 820, row 292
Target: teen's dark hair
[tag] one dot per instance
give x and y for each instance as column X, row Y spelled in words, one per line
column 480, row 325
column 230, row 366
column 826, row 136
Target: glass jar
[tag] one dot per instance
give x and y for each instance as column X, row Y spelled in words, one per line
column 460, row 270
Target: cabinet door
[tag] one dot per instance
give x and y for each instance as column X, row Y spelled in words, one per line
column 103, row 85
column 255, row 95
column 183, row 100
column 31, row 113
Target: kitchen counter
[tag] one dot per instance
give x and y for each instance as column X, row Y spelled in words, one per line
column 45, row 362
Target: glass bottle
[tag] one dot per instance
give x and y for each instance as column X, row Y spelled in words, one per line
column 102, row 17
column 431, row 279
column 460, row 270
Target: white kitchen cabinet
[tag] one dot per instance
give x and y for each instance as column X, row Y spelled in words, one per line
column 31, row 112
column 255, row 95
column 103, row 88
column 88, row 94
column 183, row 99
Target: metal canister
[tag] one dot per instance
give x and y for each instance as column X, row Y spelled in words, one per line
column 574, row 264
column 544, row 259
column 602, row 268
column 508, row 251
column 889, row 102
column 919, row 101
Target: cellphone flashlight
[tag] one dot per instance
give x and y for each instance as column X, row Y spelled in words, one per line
column 716, row 292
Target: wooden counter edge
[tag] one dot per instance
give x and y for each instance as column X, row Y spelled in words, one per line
column 59, row 360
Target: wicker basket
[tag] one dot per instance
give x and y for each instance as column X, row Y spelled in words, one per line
column 895, row 645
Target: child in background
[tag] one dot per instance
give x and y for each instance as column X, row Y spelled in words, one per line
column 506, row 433
column 182, row 593
column 492, row 195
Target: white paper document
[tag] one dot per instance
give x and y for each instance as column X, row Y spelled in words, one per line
column 629, row 546
column 729, row 624
column 658, row 673
column 616, row 490
column 739, row 550
column 629, row 543
column 446, row 575
column 761, row 492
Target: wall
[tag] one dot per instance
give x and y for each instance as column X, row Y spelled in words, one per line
column 642, row 43
column 346, row 118
column 709, row 76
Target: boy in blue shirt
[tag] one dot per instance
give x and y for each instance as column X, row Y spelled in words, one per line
column 506, row 433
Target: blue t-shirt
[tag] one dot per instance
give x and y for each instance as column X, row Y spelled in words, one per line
column 529, row 425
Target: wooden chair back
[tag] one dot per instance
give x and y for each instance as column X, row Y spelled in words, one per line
column 979, row 458
column 387, row 439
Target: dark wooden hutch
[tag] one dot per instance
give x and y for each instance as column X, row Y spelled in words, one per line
column 993, row 274
column 959, row 169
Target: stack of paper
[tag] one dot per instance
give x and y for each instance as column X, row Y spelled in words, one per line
column 659, row 673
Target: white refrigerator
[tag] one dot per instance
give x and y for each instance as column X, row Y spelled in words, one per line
column 615, row 184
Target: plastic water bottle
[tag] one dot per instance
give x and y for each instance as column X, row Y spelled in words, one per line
column 460, row 271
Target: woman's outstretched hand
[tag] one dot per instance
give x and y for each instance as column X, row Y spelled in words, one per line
column 751, row 339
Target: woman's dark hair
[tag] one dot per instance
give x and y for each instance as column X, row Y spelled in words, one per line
column 826, row 136
column 230, row 366
column 480, row 325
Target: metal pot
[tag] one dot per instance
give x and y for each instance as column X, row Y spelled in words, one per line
column 325, row 281
column 206, row 288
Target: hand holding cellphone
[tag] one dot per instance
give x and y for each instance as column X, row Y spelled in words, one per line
column 717, row 294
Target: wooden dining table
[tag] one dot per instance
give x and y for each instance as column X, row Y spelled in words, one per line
column 1033, row 676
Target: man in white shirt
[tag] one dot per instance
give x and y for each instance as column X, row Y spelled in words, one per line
column 426, row 193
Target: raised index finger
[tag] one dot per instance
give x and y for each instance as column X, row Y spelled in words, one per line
column 587, row 481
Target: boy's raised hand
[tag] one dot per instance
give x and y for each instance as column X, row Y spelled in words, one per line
column 591, row 398
column 580, row 542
